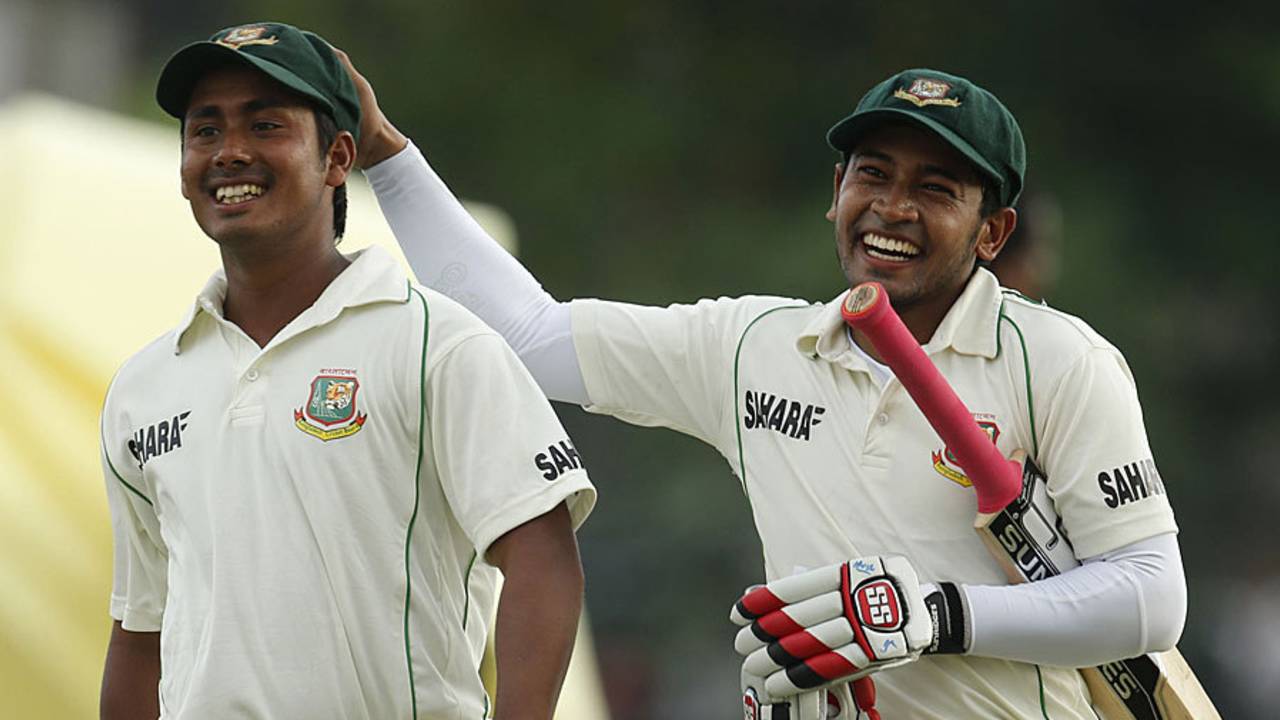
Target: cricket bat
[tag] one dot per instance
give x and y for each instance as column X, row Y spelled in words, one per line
column 1016, row 519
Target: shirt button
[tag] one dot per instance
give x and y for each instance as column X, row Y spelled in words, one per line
column 251, row 375
column 883, row 418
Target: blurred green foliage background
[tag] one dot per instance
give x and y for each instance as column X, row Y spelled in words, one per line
column 664, row 151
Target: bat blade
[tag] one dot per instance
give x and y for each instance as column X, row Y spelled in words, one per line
column 1016, row 519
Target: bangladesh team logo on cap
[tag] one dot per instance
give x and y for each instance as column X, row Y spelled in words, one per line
column 247, row 35
column 927, row 91
column 330, row 412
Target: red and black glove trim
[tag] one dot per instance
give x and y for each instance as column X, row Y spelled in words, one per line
column 850, row 613
column 758, row 603
column 795, row 648
column 820, row 670
column 774, row 626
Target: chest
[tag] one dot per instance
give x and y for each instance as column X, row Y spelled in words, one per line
column 837, row 466
column 323, row 431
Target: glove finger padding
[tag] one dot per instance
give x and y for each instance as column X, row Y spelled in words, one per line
column 758, row 704
column 809, row 642
column 789, row 620
column 761, row 600
column 798, row 637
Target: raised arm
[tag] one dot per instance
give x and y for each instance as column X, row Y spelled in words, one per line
column 450, row 252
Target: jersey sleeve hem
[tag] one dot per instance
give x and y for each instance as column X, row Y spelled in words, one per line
column 573, row 487
column 1134, row 527
column 582, row 324
column 134, row 619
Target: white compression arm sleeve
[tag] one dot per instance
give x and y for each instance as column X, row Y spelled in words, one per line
column 452, row 254
column 1117, row 605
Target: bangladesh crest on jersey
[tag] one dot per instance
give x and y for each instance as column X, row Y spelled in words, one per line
column 330, row 412
column 944, row 461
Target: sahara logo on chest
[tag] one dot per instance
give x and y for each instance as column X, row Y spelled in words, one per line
column 330, row 412
column 158, row 438
column 789, row 417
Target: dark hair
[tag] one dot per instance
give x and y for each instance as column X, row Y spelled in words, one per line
column 990, row 198
column 327, row 130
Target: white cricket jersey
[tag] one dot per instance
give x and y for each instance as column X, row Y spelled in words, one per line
column 836, row 465
column 306, row 523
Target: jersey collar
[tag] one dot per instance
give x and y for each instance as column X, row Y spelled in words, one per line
column 969, row 327
column 372, row 277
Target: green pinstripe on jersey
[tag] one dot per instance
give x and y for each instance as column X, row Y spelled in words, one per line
column 737, row 412
column 417, row 491
column 1035, row 441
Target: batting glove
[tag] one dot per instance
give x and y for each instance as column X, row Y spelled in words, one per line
column 833, row 703
column 841, row 623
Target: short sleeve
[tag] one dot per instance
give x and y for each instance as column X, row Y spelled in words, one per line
column 664, row 366
column 502, row 456
column 140, row 559
column 1095, row 452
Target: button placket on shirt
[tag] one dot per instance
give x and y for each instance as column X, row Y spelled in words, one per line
column 878, row 442
column 248, row 406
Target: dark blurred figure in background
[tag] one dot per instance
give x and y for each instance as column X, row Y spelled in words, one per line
column 1031, row 258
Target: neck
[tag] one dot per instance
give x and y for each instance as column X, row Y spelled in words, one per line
column 265, row 293
column 921, row 319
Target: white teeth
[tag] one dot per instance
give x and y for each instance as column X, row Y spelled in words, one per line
column 890, row 248
column 232, row 194
column 885, row 256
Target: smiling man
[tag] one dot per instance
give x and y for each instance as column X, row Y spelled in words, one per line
column 315, row 478
column 842, row 471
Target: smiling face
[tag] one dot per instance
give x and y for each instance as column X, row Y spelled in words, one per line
column 252, row 167
column 908, row 214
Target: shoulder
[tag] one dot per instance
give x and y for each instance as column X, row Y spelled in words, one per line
column 728, row 315
column 1052, row 341
column 146, row 370
column 447, row 324
column 789, row 314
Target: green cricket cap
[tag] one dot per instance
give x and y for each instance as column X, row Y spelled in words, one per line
column 300, row 60
column 967, row 117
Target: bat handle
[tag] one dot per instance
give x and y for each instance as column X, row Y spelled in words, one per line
column 996, row 481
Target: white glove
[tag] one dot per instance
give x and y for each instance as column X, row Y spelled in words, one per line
column 833, row 703
column 833, row 624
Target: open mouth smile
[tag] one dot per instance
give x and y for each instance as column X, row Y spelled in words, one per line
column 889, row 249
column 237, row 194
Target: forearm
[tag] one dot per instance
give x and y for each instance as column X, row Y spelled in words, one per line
column 446, row 247
column 1117, row 606
column 450, row 253
column 131, row 676
column 537, row 617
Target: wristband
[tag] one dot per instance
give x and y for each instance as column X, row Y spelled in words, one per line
column 949, row 615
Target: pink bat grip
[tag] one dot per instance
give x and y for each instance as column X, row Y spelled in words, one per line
column 996, row 480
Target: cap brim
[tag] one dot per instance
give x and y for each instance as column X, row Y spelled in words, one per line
column 188, row 65
column 846, row 133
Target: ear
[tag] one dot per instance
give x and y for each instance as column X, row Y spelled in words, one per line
column 341, row 158
column 994, row 233
column 835, row 191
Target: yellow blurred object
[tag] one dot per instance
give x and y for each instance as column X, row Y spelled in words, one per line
column 99, row 255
